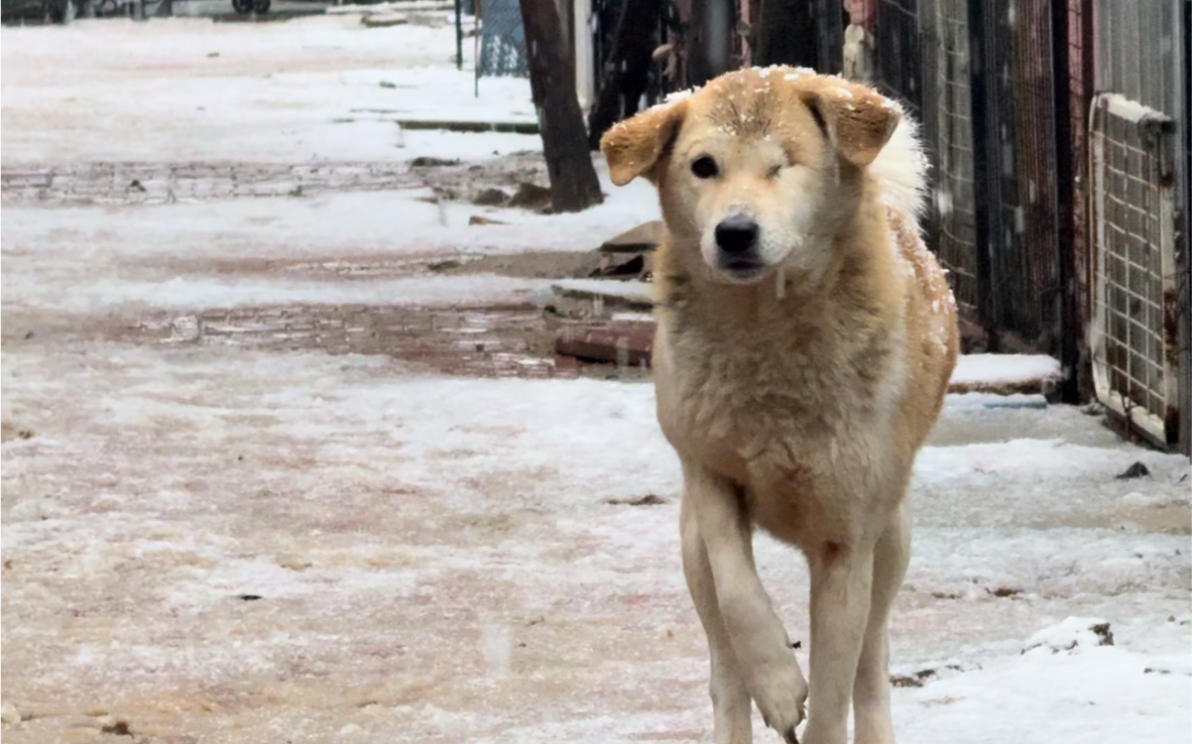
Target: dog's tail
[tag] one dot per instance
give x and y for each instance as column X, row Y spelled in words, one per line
column 901, row 170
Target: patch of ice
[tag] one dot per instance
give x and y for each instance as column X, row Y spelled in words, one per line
column 1019, row 458
column 975, row 402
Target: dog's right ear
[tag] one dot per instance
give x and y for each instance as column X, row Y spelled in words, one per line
column 633, row 147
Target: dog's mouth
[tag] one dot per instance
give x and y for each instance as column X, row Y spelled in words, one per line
column 743, row 270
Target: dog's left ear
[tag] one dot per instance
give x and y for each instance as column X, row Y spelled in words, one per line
column 859, row 121
column 634, row 146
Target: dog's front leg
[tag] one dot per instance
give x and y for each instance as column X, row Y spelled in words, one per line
column 758, row 640
column 731, row 705
column 841, row 581
column 871, row 691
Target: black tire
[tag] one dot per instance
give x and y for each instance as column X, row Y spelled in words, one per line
column 243, row 7
column 262, row 6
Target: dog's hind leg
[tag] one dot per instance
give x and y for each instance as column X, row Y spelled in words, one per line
column 731, row 704
column 841, row 581
column 759, row 643
column 871, row 691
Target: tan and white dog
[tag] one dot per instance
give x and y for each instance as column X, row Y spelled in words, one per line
column 804, row 346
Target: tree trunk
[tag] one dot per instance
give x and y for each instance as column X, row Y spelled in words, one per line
column 573, row 182
column 786, row 34
column 627, row 73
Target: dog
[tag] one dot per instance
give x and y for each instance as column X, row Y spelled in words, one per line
column 804, row 345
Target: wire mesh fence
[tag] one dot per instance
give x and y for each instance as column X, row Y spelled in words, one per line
column 900, row 49
column 502, row 40
column 923, row 58
column 1045, row 221
column 1023, row 241
column 950, row 126
column 980, row 74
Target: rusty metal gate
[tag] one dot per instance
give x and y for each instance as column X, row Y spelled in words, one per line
column 1135, row 364
column 1139, row 216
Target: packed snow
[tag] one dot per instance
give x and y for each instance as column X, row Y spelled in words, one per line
column 209, row 542
column 187, row 89
column 992, row 369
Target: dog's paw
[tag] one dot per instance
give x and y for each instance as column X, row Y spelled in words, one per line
column 780, row 691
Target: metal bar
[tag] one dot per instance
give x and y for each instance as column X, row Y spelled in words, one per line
column 984, row 182
column 1185, row 318
column 478, row 11
column 1135, row 113
column 829, row 22
column 459, row 34
column 1065, row 172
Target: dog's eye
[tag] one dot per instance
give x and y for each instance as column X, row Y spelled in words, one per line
column 704, row 167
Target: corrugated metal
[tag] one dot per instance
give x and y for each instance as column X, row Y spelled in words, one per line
column 1138, row 48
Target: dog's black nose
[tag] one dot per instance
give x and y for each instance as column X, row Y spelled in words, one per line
column 736, row 234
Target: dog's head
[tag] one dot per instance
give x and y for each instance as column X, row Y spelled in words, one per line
column 757, row 165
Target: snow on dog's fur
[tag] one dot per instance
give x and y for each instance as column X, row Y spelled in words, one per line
column 805, row 342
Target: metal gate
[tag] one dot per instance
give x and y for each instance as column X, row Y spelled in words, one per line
column 1135, row 362
column 1142, row 54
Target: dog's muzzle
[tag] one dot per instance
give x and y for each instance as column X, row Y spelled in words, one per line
column 737, row 244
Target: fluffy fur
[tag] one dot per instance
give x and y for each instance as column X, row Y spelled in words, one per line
column 797, row 380
column 900, row 171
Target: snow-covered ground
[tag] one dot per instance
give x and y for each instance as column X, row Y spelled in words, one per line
column 323, row 87
column 222, row 543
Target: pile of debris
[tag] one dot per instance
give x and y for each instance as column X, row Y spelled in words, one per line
column 605, row 318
